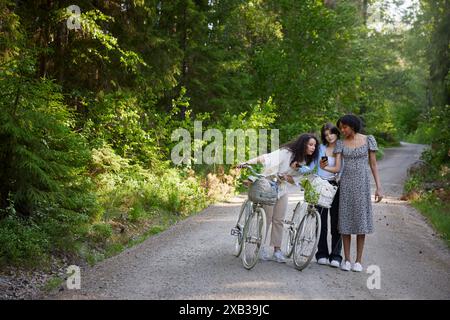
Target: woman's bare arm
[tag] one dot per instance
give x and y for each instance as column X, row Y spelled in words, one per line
column 374, row 168
column 337, row 167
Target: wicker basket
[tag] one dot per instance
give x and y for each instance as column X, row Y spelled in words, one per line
column 263, row 191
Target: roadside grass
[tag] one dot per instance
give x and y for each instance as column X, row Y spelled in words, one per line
column 52, row 284
column 117, row 239
column 428, row 189
column 437, row 211
column 129, row 234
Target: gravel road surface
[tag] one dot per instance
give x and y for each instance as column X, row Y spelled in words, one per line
column 193, row 259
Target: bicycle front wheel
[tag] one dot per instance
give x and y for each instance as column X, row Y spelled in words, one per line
column 291, row 227
column 245, row 211
column 253, row 238
column 307, row 239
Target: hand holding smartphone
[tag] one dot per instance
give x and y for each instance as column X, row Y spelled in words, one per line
column 324, row 162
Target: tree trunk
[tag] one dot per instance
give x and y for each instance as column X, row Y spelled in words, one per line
column 365, row 5
column 184, row 45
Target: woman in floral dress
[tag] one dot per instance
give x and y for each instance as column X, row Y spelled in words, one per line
column 355, row 208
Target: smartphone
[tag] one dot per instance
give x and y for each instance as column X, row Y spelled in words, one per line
column 324, row 158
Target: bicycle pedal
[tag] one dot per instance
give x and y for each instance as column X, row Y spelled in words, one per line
column 253, row 241
column 235, row 232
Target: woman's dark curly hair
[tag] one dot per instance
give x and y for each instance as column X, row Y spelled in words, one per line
column 352, row 121
column 298, row 148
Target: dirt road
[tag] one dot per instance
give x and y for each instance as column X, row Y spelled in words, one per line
column 193, row 259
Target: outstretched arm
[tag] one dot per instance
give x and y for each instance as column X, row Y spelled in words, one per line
column 256, row 160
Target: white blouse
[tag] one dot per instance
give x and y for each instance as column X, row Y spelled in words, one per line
column 279, row 162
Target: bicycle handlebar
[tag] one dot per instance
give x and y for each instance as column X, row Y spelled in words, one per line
column 259, row 175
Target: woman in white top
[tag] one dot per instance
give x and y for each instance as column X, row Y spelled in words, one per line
column 302, row 151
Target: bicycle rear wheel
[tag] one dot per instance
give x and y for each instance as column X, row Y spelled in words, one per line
column 307, row 239
column 253, row 238
column 291, row 227
column 238, row 230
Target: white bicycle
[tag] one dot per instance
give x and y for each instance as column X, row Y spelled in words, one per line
column 301, row 234
column 250, row 229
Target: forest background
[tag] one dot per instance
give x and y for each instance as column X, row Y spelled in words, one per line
column 89, row 100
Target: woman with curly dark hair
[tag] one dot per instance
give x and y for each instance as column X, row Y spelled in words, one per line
column 303, row 150
column 355, row 207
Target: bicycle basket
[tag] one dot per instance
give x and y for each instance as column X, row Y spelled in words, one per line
column 263, row 191
column 325, row 190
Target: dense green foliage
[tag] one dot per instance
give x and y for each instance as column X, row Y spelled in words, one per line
column 87, row 114
column 428, row 45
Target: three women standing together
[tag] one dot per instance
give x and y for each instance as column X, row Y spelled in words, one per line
column 344, row 163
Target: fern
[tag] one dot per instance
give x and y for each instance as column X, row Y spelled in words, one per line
column 42, row 158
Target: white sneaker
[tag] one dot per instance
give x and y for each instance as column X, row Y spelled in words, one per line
column 279, row 257
column 335, row 263
column 264, row 254
column 323, row 261
column 357, row 267
column 346, row 265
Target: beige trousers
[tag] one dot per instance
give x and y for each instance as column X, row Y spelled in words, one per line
column 275, row 216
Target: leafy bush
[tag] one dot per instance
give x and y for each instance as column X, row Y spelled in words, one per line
column 22, row 242
column 131, row 192
column 439, row 137
column 117, row 119
column 44, row 195
column 102, row 231
column 43, row 159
